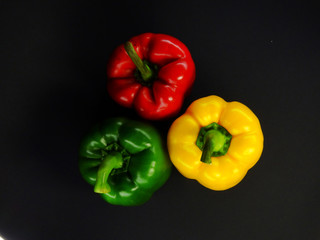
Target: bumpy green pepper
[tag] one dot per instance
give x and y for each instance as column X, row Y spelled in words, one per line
column 125, row 160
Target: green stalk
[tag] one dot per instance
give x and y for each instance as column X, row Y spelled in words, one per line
column 111, row 161
column 214, row 141
column 144, row 69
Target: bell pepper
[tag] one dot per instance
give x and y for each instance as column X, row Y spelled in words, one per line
column 215, row 142
column 125, row 161
column 151, row 73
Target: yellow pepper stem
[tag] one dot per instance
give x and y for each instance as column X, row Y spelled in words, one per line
column 214, row 141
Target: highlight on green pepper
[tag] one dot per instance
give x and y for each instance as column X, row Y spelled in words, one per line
column 125, row 161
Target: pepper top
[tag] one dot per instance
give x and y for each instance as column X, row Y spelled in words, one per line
column 151, row 73
column 125, row 161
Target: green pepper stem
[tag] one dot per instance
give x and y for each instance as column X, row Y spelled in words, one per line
column 213, row 141
column 145, row 71
column 111, row 161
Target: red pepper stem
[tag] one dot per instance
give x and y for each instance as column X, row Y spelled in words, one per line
column 213, row 141
column 111, row 161
column 145, row 71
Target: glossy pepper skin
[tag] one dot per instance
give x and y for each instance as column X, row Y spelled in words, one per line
column 215, row 142
column 125, row 161
column 156, row 89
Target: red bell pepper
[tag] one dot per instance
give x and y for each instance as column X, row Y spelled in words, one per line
column 151, row 73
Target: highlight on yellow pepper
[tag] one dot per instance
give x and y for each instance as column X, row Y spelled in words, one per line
column 215, row 142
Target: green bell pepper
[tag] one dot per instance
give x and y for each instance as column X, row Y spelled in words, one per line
column 125, row 161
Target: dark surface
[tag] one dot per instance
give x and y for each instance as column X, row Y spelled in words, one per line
column 52, row 90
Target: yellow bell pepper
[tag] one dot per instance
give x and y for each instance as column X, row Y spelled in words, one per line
column 215, row 142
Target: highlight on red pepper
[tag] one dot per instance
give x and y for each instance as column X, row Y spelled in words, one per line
column 151, row 73
column 125, row 161
column 215, row 142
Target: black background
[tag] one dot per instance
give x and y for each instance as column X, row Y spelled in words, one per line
column 264, row 54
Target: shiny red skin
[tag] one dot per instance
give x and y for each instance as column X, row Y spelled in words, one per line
column 175, row 78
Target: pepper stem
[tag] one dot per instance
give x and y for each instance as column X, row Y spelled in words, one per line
column 144, row 69
column 111, row 161
column 214, row 141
